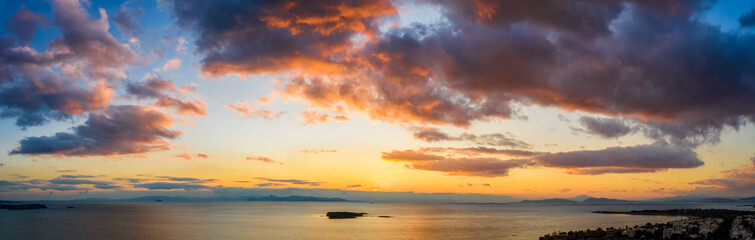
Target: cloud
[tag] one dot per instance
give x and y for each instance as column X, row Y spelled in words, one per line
column 66, row 170
column 154, row 87
column 181, row 44
column 77, row 176
column 605, row 127
column 496, row 139
column 426, row 159
column 633, row 159
column 172, row 64
column 747, row 19
column 424, row 154
column 40, row 95
column 127, row 20
column 19, row 176
column 171, row 186
column 486, row 162
column 130, row 180
column 354, row 186
column 269, row 185
column 186, row 179
column 615, row 58
column 203, row 156
column 89, row 38
column 275, row 34
column 737, row 180
column 73, row 76
column 316, row 151
column 410, row 155
column 23, row 23
column 76, row 180
column 292, row 181
column 262, row 159
column 184, row 156
column 115, row 131
column 479, row 167
column 253, row 111
column 314, row 118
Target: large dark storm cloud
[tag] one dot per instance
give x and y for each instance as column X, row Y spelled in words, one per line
column 485, row 162
column 115, row 131
column 650, row 60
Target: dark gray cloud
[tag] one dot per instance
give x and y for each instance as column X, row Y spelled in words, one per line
column 488, row 163
column 23, row 23
column 607, row 170
column 291, row 181
column 77, row 176
column 479, row 167
column 748, row 19
column 495, row 139
column 652, row 60
column 127, row 20
column 484, row 150
column 63, row 183
column 640, row 158
column 131, row 180
column 269, row 184
column 32, row 93
column 605, row 127
column 245, row 35
column 457, row 161
column 117, row 130
column 19, row 176
column 171, row 186
column 157, row 88
column 186, row 179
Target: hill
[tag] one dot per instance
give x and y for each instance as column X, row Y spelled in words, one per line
column 604, row 200
column 273, row 198
column 550, row 200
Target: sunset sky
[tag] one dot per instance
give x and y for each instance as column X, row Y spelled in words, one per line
column 620, row 99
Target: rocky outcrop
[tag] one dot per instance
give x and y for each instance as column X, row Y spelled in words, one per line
column 341, row 215
column 22, row 206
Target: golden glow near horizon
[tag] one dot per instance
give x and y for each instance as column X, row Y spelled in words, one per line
column 424, row 97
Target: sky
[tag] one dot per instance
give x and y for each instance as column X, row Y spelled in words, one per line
column 485, row 99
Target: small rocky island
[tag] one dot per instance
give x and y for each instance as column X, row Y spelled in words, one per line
column 342, row 215
column 22, row 206
column 700, row 223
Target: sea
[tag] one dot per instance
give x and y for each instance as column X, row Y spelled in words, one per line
column 306, row 220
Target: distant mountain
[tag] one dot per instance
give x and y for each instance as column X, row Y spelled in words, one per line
column 550, row 200
column 706, row 199
column 273, row 198
column 580, row 198
column 180, row 199
column 604, row 200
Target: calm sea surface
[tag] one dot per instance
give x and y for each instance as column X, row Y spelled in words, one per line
column 305, row 220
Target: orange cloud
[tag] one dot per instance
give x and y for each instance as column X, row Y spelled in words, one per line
column 315, row 151
column 314, row 118
column 262, row 159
